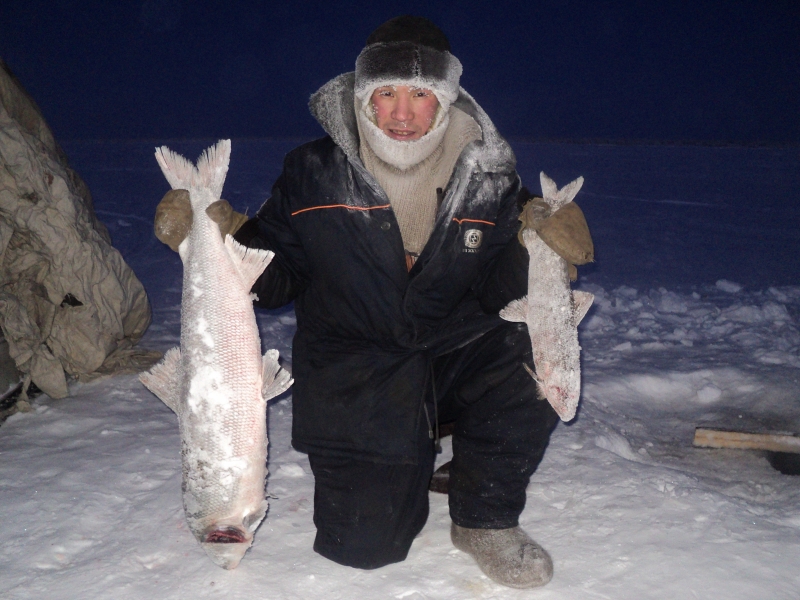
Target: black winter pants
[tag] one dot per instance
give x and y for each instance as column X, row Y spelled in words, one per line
column 367, row 514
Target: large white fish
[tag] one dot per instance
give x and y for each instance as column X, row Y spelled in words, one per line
column 217, row 381
column 552, row 311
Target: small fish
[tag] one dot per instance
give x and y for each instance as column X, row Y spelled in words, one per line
column 552, row 311
column 217, row 382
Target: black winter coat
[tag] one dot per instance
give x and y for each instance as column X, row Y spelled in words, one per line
column 366, row 327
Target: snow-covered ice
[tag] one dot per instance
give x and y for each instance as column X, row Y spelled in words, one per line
column 90, row 499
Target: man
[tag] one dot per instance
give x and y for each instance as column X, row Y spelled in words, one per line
column 396, row 237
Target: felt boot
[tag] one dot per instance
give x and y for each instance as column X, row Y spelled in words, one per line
column 508, row 556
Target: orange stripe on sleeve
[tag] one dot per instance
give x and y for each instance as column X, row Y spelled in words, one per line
column 460, row 221
column 347, row 206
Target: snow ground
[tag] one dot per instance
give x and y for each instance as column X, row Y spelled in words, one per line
column 90, row 501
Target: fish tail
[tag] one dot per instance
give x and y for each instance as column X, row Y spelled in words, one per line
column 180, row 173
column 556, row 198
column 212, row 167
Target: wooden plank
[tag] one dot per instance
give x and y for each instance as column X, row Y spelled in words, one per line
column 717, row 438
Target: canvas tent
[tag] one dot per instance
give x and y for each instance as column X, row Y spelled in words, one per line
column 69, row 304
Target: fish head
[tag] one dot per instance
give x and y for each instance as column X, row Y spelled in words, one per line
column 229, row 554
column 562, row 388
column 225, row 541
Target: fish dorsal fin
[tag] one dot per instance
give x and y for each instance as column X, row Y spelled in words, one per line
column 275, row 379
column 212, row 167
column 164, row 379
column 581, row 301
column 250, row 262
column 556, row 198
column 516, row 311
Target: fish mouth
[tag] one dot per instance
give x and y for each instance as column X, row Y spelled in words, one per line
column 226, row 545
column 225, row 535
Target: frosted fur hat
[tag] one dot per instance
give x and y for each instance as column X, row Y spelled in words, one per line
column 410, row 51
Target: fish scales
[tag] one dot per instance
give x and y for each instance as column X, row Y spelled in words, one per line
column 552, row 312
column 217, row 382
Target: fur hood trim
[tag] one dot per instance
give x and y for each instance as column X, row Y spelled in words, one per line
column 333, row 107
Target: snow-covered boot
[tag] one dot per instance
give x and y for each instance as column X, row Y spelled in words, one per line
column 508, row 556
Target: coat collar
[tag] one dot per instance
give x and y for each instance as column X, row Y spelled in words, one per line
column 332, row 106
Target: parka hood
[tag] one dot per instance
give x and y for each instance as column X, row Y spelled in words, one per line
column 333, row 107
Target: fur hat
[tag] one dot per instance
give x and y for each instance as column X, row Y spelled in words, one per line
column 411, row 51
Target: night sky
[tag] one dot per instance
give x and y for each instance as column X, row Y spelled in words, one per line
column 665, row 71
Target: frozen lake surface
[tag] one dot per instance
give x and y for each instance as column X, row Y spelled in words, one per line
column 696, row 322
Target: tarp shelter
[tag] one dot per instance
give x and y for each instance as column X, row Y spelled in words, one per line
column 69, row 304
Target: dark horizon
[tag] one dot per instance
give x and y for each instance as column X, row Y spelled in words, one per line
column 711, row 72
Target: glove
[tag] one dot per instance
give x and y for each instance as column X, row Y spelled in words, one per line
column 174, row 218
column 565, row 231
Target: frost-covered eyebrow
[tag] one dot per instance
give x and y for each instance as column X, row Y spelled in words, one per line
column 412, row 88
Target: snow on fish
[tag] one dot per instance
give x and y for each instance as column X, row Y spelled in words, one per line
column 217, row 382
column 552, row 311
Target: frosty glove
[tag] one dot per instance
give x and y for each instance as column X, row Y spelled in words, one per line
column 174, row 218
column 565, row 231
column 222, row 213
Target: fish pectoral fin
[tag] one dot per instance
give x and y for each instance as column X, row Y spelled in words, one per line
column 164, row 379
column 253, row 520
column 532, row 373
column 275, row 379
column 251, row 262
column 516, row 311
column 581, row 301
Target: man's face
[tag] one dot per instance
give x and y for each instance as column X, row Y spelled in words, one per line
column 404, row 113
